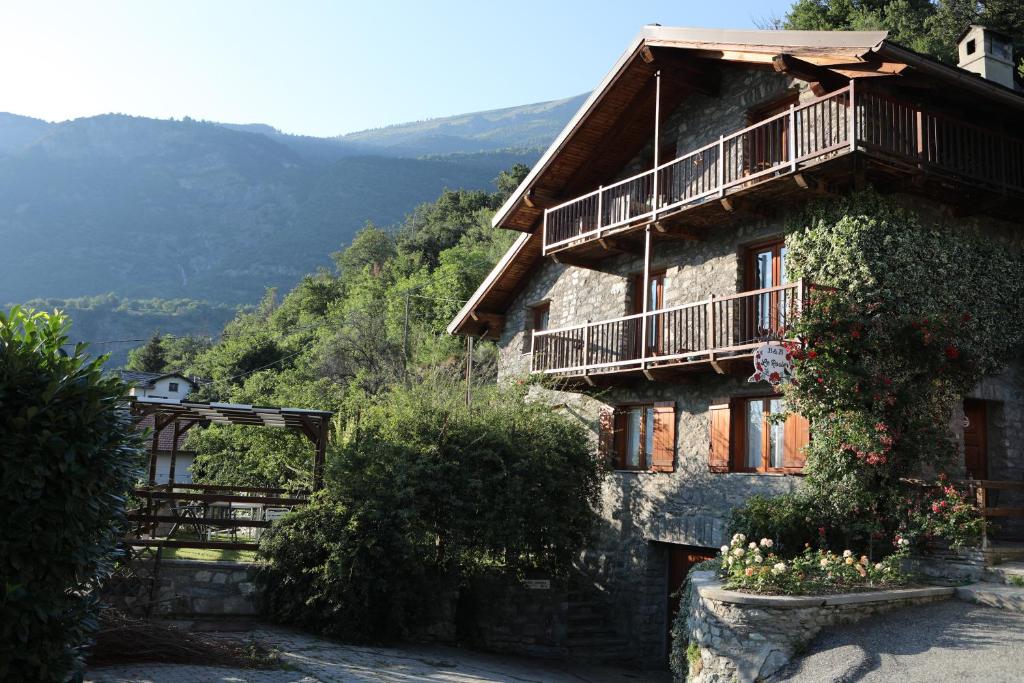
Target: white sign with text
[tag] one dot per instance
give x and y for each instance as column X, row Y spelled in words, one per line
column 773, row 363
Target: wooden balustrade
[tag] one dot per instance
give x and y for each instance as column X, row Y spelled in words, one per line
column 837, row 123
column 682, row 334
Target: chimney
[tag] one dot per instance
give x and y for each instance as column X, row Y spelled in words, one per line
column 987, row 53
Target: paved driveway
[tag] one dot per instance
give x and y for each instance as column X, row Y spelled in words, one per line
column 948, row 641
column 308, row 659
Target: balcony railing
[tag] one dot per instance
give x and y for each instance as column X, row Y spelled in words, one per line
column 691, row 333
column 778, row 145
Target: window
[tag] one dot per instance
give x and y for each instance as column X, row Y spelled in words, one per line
column 173, row 387
column 764, row 438
column 537, row 318
column 768, row 313
column 640, row 436
column 746, row 438
column 634, row 430
column 767, row 145
column 971, row 46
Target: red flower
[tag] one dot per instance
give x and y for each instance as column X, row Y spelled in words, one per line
column 821, row 531
column 774, row 378
column 855, row 334
column 821, row 381
column 952, row 352
column 812, row 354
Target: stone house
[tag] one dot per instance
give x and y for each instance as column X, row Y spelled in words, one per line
column 650, row 266
column 166, row 386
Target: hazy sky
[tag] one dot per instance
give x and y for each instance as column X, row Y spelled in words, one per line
column 322, row 68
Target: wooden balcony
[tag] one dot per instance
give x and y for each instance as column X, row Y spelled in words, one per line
column 839, row 124
column 710, row 334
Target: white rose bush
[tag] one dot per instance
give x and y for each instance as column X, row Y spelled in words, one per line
column 754, row 567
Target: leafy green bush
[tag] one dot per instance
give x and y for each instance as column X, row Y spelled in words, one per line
column 423, row 494
column 790, row 520
column 68, row 452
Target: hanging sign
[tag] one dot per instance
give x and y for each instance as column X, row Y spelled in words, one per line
column 773, row 363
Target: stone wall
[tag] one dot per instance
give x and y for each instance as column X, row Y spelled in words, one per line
column 502, row 615
column 745, row 638
column 187, row 588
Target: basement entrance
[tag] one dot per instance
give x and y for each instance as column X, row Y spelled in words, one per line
column 680, row 559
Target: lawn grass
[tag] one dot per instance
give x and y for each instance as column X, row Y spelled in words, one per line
column 209, row 554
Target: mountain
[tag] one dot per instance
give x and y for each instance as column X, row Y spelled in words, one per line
column 212, row 212
column 529, row 126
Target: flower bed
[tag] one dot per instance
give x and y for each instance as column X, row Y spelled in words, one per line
column 754, row 567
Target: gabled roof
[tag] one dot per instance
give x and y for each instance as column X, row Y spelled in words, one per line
column 617, row 109
column 147, row 380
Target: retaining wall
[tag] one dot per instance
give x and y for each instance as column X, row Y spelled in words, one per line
column 745, row 637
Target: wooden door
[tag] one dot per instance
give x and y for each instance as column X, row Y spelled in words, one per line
column 975, row 439
column 680, row 559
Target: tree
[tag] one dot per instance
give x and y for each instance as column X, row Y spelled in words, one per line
column 68, row 454
column 149, row 358
column 424, row 493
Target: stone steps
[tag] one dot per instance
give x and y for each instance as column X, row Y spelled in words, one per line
column 1009, row 573
column 994, row 595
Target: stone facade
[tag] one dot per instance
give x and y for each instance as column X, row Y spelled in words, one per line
column 644, row 514
column 748, row 638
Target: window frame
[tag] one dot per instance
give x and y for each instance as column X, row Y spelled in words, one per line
column 620, row 441
column 172, row 386
column 530, row 319
column 739, row 407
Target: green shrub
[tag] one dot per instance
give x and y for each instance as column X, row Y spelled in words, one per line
column 790, row 520
column 423, row 494
column 69, row 452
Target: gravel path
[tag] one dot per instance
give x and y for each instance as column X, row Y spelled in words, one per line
column 946, row 641
column 309, row 659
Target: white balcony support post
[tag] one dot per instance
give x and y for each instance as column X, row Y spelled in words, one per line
column 657, row 140
column 792, row 139
column 721, row 165
column 600, row 208
column 646, row 302
column 533, row 347
column 544, row 244
column 853, row 120
column 586, row 347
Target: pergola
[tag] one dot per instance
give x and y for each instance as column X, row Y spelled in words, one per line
column 183, row 415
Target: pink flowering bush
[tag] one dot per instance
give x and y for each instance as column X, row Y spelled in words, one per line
column 941, row 512
column 755, row 567
column 889, row 343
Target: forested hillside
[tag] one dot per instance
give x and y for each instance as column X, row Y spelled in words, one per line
column 344, row 337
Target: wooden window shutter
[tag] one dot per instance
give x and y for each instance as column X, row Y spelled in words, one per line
column 721, row 428
column 606, row 435
column 663, row 459
column 796, row 436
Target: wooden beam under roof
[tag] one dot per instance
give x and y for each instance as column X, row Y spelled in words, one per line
column 822, row 79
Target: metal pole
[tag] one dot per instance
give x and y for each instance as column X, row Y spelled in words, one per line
column 646, row 302
column 405, row 340
column 657, row 126
column 469, row 371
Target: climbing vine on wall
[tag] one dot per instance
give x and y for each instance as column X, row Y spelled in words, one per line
column 910, row 314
